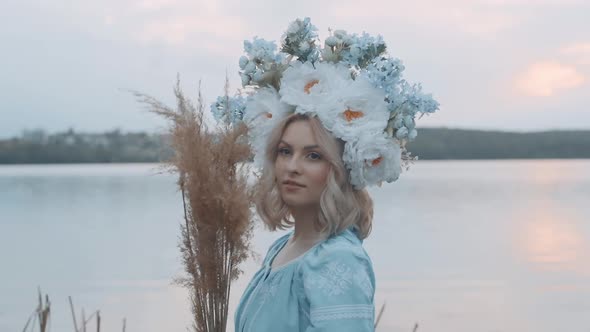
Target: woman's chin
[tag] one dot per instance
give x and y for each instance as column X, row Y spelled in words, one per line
column 291, row 203
column 298, row 203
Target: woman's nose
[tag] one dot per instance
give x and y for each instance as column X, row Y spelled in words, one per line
column 293, row 164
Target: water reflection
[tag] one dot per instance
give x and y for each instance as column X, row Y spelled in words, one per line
column 550, row 240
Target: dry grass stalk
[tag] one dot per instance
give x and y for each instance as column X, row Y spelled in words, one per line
column 217, row 228
column 29, row 321
column 84, row 320
column 379, row 315
column 83, row 328
column 41, row 313
column 98, row 321
column 73, row 313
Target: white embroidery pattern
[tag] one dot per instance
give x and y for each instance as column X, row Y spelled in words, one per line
column 335, row 278
column 350, row 311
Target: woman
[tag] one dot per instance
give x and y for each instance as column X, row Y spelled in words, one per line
column 318, row 277
column 324, row 123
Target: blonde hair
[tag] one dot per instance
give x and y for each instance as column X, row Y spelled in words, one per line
column 341, row 206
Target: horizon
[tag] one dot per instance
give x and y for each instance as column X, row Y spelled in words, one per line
column 123, row 131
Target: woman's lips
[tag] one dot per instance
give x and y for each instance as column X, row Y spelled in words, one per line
column 290, row 185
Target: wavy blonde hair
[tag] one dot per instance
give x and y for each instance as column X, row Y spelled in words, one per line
column 341, row 206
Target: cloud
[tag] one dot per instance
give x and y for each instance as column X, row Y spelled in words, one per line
column 578, row 52
column 197, row 25
column 206, row 32
column 546, row 78
column 468, row 17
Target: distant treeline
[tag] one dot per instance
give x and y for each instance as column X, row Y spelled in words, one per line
column 442, row 143
column 36, row 147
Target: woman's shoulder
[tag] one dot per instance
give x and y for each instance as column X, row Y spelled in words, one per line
column 343, row 247
column 345, row 242
column 338, row 268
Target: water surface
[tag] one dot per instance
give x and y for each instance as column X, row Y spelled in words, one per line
column 456, row 246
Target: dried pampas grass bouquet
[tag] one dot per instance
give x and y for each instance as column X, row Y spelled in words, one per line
column 212, row 173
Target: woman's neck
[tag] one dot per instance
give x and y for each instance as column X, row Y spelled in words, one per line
column 305, row 231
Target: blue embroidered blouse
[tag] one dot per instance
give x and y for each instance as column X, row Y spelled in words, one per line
column 329, row 288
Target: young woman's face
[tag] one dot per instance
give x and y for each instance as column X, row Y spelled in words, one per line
column 300, row 167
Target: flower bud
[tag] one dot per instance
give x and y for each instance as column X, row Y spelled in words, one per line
column 250, row 67
column 331, row 41
column 402, row 132
column 245, row 79
column 408, row 121
column 257, row 76
column 398, row 122
column 243, row 61
column 340, row 34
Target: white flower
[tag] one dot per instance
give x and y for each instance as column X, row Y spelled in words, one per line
column 306, row 87
column 372, row 159
column 345, row 106
column 263, row 112
column 355, row 109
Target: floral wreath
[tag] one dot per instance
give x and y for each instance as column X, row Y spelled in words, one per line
column 354, row 88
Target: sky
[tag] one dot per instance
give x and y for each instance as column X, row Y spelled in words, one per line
column 518, row 65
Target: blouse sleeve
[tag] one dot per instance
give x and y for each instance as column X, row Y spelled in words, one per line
column 339, row 286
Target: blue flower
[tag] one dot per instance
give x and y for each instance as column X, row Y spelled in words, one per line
column 229, row 110
column 385, row 73
column 416, row 101
column 402, row 133
column 243, row 61
column 301, row 40
column 261, row 56
column 409, row 122
column 361, row 50
column 260, row 50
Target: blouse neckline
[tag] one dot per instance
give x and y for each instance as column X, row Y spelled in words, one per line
column 294, row 260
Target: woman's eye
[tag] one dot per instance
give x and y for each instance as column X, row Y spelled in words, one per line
column 283, row 151
column 314, row 156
